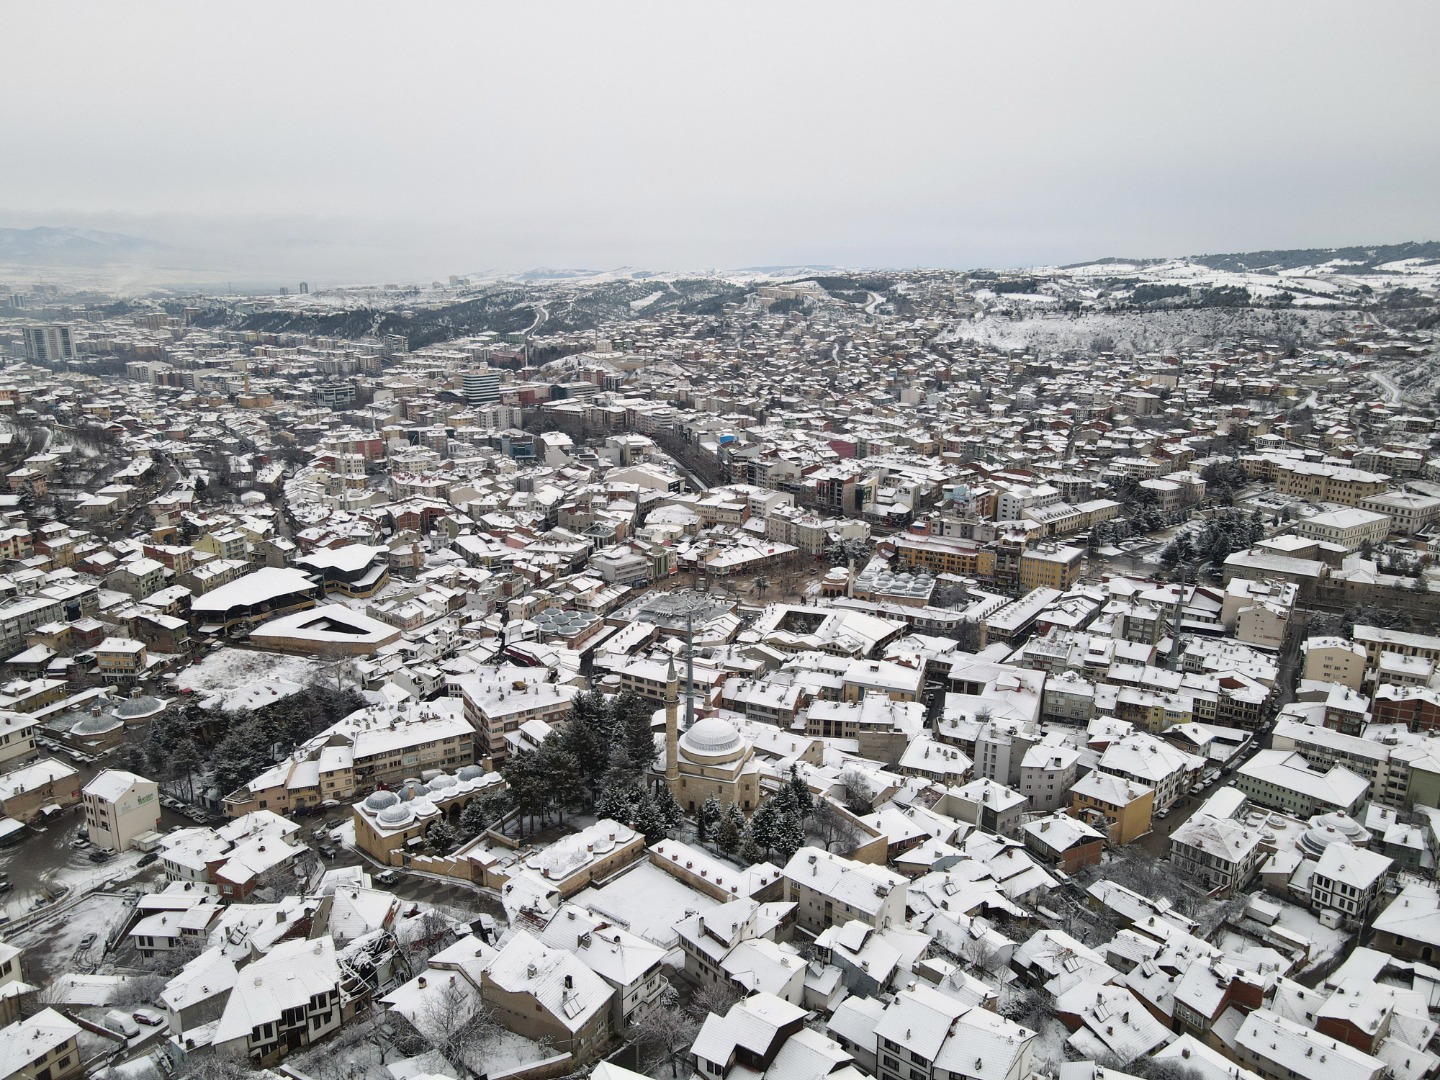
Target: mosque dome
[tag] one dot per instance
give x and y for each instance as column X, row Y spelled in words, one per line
column 711, row 737
column 395, row 817
column 381, row 800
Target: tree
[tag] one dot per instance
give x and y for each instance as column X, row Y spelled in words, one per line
column 664, row 1034
column 789, row 835
column 483, row 811
column 798, row 791
column 715, row 998
column 857, row 792
column 750, row 851
column 457, row 1023
column 707, row 818
column 442, row 835
column 731, row 830
column 831, row 827
column 185, row 762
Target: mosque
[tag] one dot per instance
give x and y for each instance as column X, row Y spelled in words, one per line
column 708, row 758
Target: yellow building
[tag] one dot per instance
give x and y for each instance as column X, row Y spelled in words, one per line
column 1118, row 807
column 1051, row 568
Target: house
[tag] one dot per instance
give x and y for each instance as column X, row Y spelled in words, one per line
column 1144, row 759
column 44, row 1047
column 293, row 996
column 629, row 964
column 26, row 791
column 1283, row 780
column 1348, row 880
column 928, row 1035
column 765, row 1038
column 121, row 660
column 120, row 806
column 1064, row 842
column 1121, row 808
column 1410, row 927
column 1280, row 1049
column 828, row 888
column 1222, row 854
column 547, row 993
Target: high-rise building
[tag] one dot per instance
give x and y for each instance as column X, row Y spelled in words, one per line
column 49, row 344
column 481, row 387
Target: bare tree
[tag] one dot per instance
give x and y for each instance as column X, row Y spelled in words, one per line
column 216, row 1066
column 857, row 792
column 458, row 1025
column 979, row 954
column 714, row 997
column 664, row 1034
column 831, row 827
column 139, row 990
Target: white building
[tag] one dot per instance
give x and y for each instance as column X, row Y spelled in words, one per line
column 119, row 806
column 1348, row 528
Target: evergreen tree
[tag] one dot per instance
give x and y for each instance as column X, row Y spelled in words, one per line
column 801, row 801
column 707, row 817
column 649, row 819
column 671, row 815
column 764, row 826
column 442, row 835
column 618, row 803
column 789, row 836
column 750, row 851
column 729, row 831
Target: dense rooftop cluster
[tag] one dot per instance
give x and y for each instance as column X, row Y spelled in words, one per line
column 917, row 676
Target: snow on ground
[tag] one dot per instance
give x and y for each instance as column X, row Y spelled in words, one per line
column 1135, row 331
column 1326, row 943
column 53, row 946
column 646, row 901
column 644, row 302
column 236, row 679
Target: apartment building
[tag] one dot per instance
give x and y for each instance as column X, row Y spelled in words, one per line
column 1328, row 483
column 119, row 807
column 1283, row 780
column 828, row 889
column 1350, row 529
column 1334, row 660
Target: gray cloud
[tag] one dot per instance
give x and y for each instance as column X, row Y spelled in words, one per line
column 369, row 139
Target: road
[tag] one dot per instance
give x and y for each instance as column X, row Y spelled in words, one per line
column 1385, row 383
column 1157, row 840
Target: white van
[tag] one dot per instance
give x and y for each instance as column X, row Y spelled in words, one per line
column 121, row 1023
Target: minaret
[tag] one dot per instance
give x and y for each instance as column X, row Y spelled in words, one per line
column 672, row 734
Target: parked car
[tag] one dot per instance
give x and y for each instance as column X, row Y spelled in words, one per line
column 146, row 1017
column 87, row 941
column 148, row 858
column 99, row 855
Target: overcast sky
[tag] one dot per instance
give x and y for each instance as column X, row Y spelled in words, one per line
column 357, row 140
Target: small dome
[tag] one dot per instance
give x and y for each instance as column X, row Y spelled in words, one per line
column 95, row 725
column 393, row 817
column 471, row 772
column 441, row 782
column 710, row 737
column 422, row 807
column 137, row 708
column 381, row 800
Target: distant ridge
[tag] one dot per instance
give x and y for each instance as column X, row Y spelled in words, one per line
column 47, row 246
